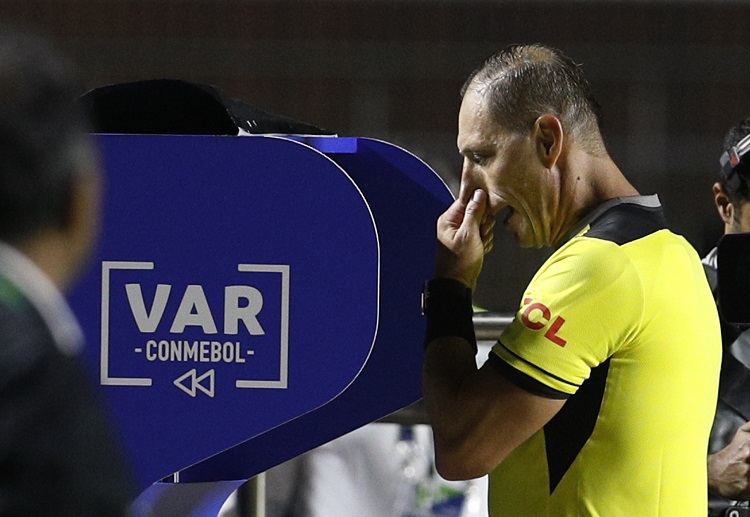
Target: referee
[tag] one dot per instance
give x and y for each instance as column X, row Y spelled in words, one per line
column 598, row 399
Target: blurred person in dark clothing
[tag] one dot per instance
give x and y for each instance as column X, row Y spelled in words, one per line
column 58, row 454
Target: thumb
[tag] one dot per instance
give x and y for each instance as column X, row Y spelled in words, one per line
column 474, row 214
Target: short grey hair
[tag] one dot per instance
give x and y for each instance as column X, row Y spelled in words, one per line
column 523, row 82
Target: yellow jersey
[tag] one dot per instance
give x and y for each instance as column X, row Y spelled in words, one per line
column 620, row 321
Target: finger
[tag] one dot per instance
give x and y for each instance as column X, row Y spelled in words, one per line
column 453, row 216
column 488, row 226
column 464, row 192
column 487, row 231
column 744, row 427
column 489, row 243
column 475, row 210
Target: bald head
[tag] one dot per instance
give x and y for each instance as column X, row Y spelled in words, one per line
column 522, row 83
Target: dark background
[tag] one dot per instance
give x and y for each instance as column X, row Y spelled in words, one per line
column 671, row 77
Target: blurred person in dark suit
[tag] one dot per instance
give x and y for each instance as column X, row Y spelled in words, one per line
column 58, row 454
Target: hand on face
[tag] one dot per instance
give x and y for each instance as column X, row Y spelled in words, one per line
column 465, row 233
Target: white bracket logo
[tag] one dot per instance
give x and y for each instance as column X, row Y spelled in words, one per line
column 281, row 382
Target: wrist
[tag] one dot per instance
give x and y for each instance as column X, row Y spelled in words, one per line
column 447, row 306
column 715, row 471
column 713, row 486
column 448, row 274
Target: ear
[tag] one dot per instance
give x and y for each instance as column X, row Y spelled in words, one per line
column 723, row 203
column 548, row 136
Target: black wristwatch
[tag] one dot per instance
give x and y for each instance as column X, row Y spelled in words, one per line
column 444, row 288
column 447, row 307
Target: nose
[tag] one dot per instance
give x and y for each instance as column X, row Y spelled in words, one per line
column 471, row 178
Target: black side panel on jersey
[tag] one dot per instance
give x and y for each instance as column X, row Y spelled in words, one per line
column 627, row 222
column 569, row 429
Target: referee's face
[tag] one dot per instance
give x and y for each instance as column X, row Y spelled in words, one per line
column 522, row 194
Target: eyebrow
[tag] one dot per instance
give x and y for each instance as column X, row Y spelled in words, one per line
column 473, row 148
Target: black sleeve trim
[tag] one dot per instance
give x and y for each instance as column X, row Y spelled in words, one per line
column 545, row 372
column 523, row 381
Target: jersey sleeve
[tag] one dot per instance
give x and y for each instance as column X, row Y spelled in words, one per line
column 583, row 304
